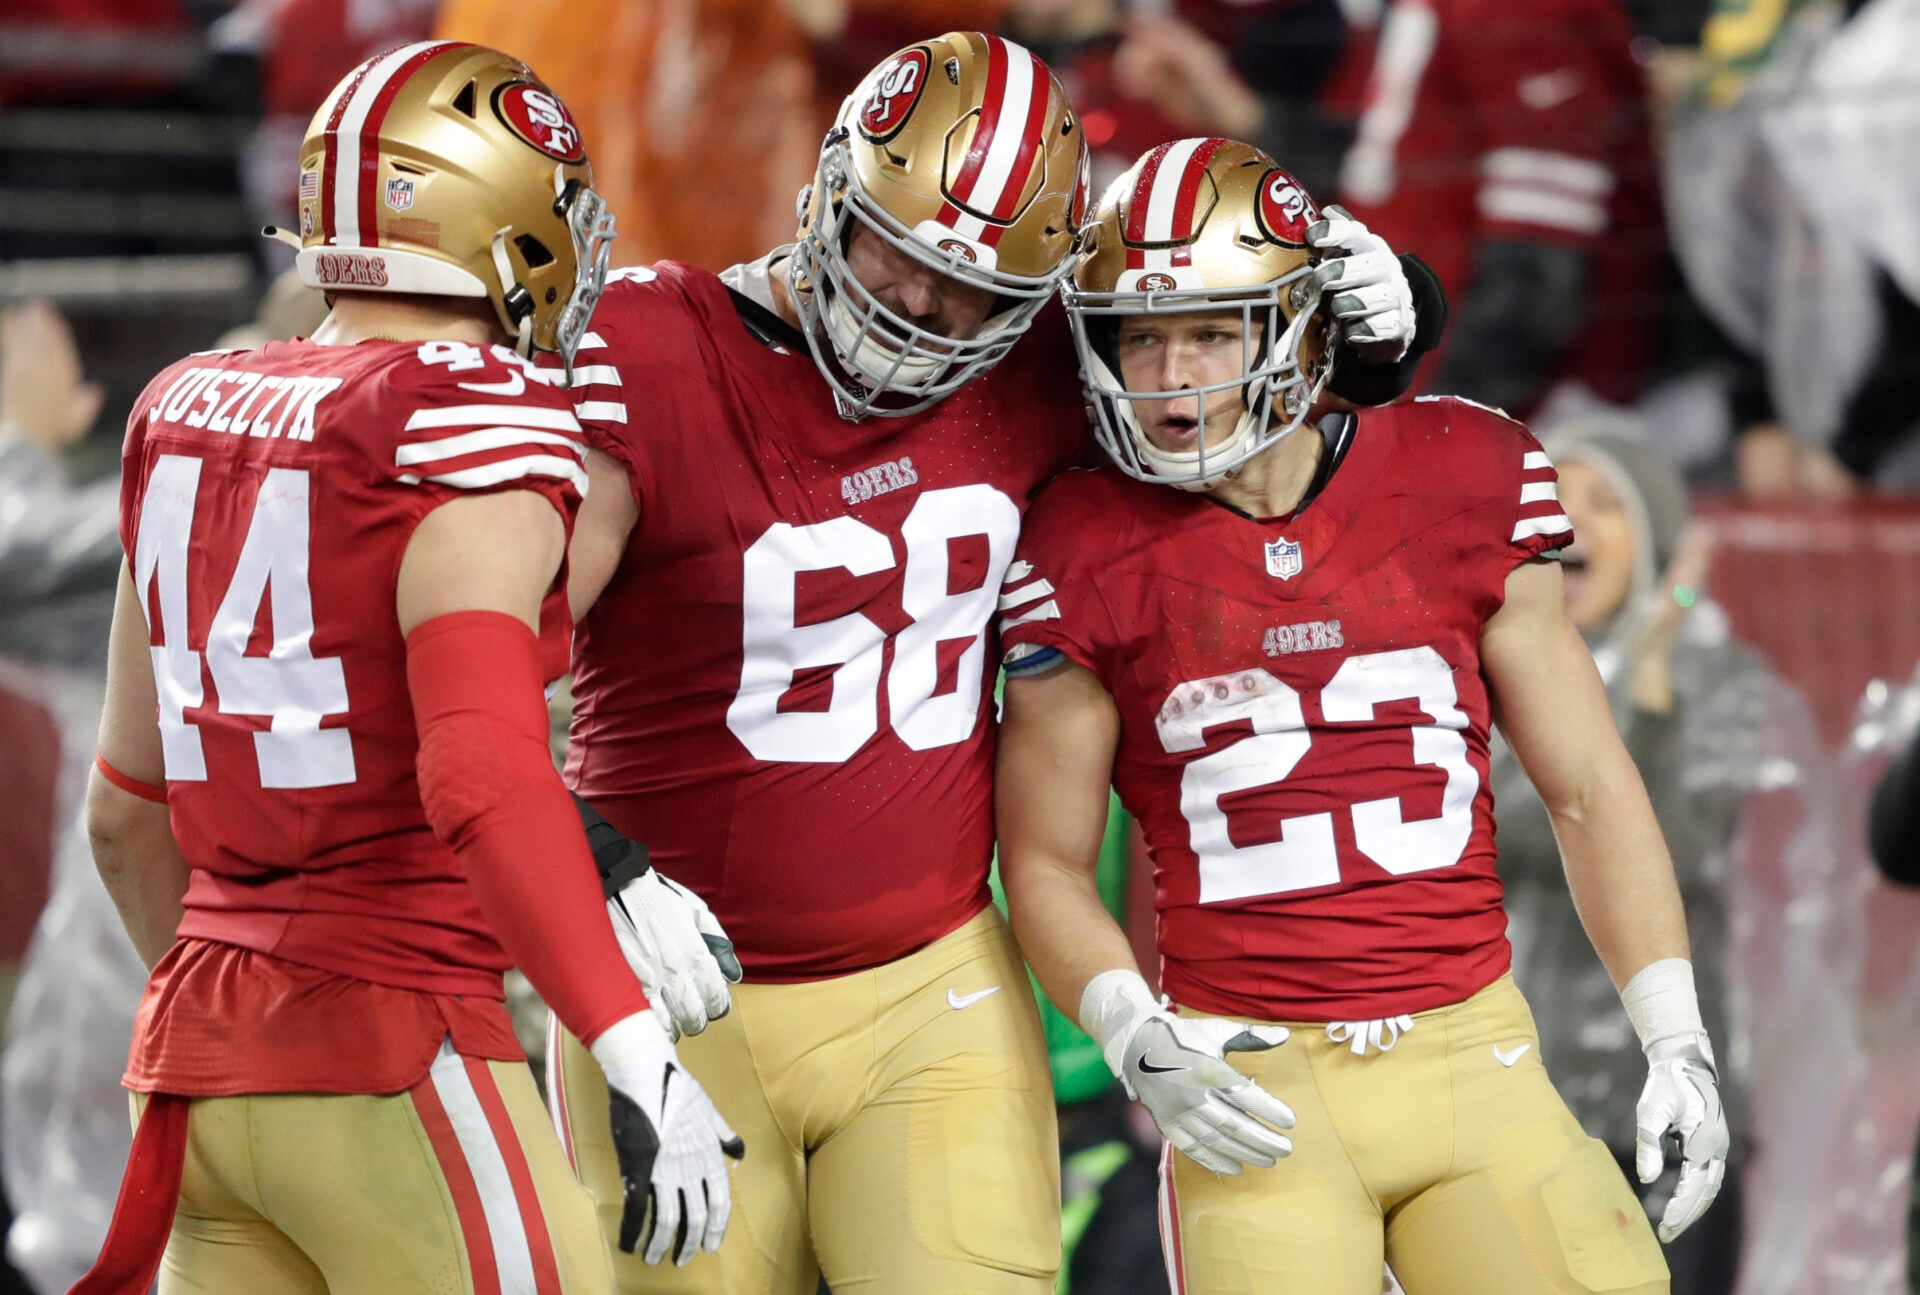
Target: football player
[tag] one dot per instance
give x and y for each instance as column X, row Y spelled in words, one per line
column 324, row 803
column 1283, row 635
column 808, row 478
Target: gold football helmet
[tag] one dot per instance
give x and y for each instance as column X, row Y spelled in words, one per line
column 448, row 169
column 962, row 153
column 1203, row 225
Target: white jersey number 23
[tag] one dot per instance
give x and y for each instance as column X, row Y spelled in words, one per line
column 1305, row 856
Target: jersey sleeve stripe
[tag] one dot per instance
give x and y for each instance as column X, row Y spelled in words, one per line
column 1524, row 166
column 606, row 375
column 602, row 411
column 1539, row 207
column 1046, row 611
column 1025, row 594
column 558, row 420
column 1535, row 460
column 1539, row 492
column 1531, row 526
column 492, row 474
column 592, row 342
column 487, row 438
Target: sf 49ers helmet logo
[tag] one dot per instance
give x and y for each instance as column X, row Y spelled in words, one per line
column 895, row 92
column 1156, row 282
column 957, row 248
column 1284, row 209
column 537, row 116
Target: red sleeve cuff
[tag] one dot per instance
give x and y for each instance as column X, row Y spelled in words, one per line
column 132, row 786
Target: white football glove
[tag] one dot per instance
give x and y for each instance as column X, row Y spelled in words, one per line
column 1365, row 286
column 1682, row 1100
column 671, row 1144
column 671, row 938
column 1176, row 1067
column 675, row 945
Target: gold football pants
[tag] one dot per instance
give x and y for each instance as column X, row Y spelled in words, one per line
column 1450, row 1157
column 457, row 1187
column 899, row 1128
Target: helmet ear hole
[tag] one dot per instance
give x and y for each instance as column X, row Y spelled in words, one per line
column 533, row 251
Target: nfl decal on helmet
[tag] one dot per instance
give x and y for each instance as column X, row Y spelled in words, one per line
column 963, row 154
column 448, row 169
column 1203, row 225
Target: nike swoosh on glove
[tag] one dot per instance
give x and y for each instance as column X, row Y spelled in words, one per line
column 1176, row 1067
column 1365, row 287
column 1682, row 1100
column 671, row 1144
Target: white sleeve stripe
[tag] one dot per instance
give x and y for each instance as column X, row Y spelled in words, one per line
column 1019, row 571
column 1540, row 207
column 487, row 438
column 1530, row 526
column 1046, row 611
column 1562, row 170
column 1025, row 594
column 588, row 374
column 1535, row 460
column 1539, row 492
column 592, row 342
column 492, row 474
column 602, row 411
column 558, row 420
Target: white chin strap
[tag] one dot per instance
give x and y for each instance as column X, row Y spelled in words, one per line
column 1184, row 463
column 1177, row 464
column 881, row 366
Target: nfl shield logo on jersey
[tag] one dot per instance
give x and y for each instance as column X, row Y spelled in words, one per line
column 1283, row 558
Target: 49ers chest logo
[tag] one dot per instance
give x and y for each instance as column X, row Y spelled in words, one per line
column 351, row 270
column 537, row 116
column 1284, row 209
column 895, row 91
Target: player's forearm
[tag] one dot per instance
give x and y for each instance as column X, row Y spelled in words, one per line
column 139, row 863
column 1618, row 869
column 489, row 789
column 1064, row 929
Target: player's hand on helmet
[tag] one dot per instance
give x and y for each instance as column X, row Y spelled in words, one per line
column 1364, row 286
column 1176, row 1067
column 672, row 940
column 1681, row 1101
column 671, row 1144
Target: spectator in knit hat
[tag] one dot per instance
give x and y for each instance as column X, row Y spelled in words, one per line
column 1691, row 703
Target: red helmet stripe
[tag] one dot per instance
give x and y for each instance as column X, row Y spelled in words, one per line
column 1001, row 156
column 990, row 105
column 1039, row 91
column 1143, row 194
column 330, row 148
column 369, row 185
column 1185, row 200
column 352, row 149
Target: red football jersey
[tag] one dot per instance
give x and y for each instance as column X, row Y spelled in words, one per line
column 786, row 690
column 267, row 499
column 1303, row 719
column 1483, row 119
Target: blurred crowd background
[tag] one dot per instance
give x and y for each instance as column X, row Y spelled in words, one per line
column 1680, row 237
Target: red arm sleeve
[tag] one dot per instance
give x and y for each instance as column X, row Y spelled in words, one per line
column 491, row 793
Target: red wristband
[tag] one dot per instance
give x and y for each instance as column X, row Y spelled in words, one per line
column 132, row 786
